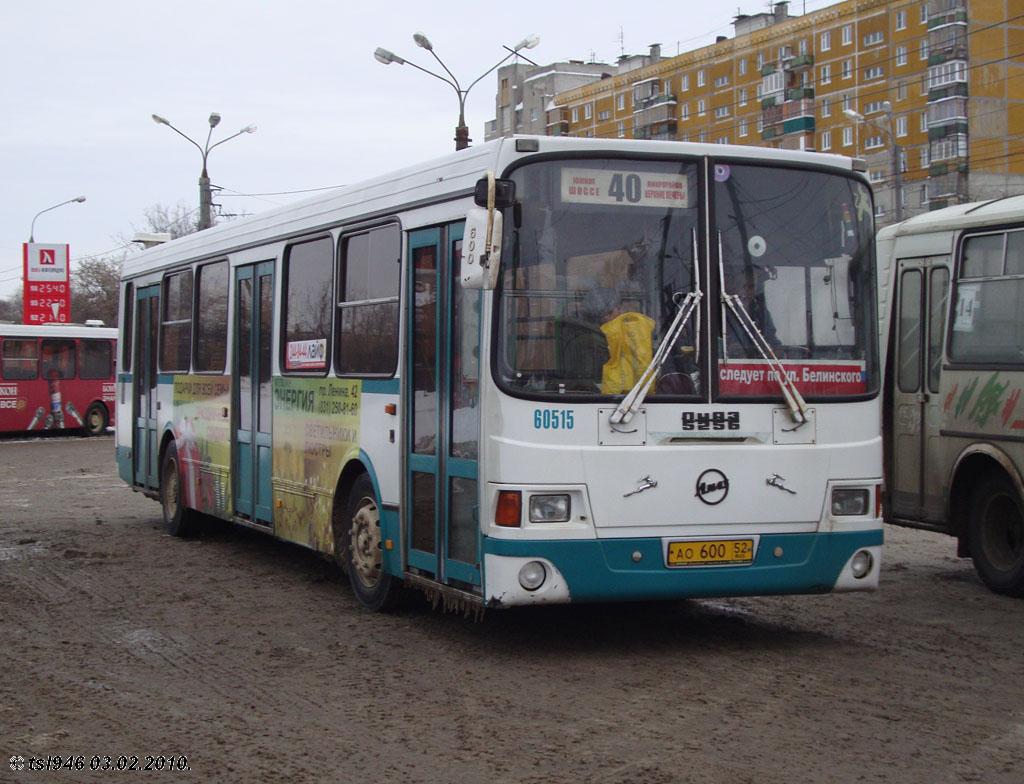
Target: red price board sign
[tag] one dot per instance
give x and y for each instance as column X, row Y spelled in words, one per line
column 47, row 279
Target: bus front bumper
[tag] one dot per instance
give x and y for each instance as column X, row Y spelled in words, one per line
column 594, row 570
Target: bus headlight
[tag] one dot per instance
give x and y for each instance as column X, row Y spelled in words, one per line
column 861, row 564
column 848, row 501
column 549, row 508
column 532, row 575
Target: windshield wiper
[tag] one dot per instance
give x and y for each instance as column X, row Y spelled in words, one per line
column 635, row 397
column 795, row 401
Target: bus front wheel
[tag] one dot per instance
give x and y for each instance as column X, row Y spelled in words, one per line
column 362, row 551
column 996, row 536
column 179, row 520
column 95, row 420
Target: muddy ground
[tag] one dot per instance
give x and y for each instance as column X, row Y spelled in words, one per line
column 252, row 658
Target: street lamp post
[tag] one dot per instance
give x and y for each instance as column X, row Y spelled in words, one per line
column 205, row 194
column 32, row 229
column 894, row 148
column 462, row 139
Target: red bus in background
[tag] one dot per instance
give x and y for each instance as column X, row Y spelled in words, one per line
column 57, row 378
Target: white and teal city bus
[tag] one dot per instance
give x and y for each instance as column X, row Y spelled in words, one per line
column 537, row 370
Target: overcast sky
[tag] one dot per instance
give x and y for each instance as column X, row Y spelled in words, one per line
column 81, row 79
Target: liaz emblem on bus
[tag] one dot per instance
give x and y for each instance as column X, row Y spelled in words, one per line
column 631, row 189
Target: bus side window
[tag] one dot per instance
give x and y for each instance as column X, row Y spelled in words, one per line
column 95, row 359
column 20, row 359
column 58, row 359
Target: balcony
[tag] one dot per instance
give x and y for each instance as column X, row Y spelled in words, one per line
column 560, row 128
column 664, row 129
column 798, row 125
column 947, row 129
column 801, row 62
column 771, row 132
column 771, row 115
column 798, row 93
column 953, row 16
column 769, row 69
column 653, row 100
column 800, row 108
column 952, row 90
column 954, row 51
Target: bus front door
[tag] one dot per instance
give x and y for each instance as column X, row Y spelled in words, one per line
column 145, row 407
column 918, row 472
column 442, row 378
column 254, row 312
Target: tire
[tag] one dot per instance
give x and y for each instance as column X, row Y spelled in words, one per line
column 996, row 536
column 96, row 420
column 178, row 519
column 360, row 551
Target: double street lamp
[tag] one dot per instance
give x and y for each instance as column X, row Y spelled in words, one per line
column 205, row 194
column 894, row 148
column 462, row 139
column 32, row 229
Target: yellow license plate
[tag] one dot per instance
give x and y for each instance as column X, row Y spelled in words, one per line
column 708, row 552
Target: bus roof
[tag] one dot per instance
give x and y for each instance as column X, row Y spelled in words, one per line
column 55, row 331
column 450, row 176
column 960, row 216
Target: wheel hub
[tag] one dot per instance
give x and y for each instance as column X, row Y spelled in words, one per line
column 365, row 546
column 1003, row 532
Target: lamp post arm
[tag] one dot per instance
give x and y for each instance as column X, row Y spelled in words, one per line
column 32, row 228
column 449, row 82
column 455, row 80
column 225, row 139
column 191, row 141
column 492, row 68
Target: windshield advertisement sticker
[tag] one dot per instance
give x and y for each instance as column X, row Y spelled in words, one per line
column 630, row 189
column 202, row 434
column 316, row 423
column 966, row 308
column 755, row 377
column 306, row 355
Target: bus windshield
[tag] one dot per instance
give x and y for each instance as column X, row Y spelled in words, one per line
column 797, row 253
column 601, row 259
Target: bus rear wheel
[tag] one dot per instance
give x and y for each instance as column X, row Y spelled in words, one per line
column 362, row 551
column 95, row 420
column 996, row 536
column 179, row 520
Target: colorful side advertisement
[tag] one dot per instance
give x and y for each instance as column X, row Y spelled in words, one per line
column 202, row 432
column 315, row 426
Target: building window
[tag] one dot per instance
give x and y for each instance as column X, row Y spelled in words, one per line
column 901, row 55
column 743, row 128
column 925, row 160
column 176, row 325
column 212, row 317
column 701, row 78
column 722, row 140
column 826, row 108
column 667, row 87
column 743, row 66
column 686, row 82
column 760, row 124
column 605, row 115
column 873, row 73
column 901, row 20
column 802, row 46
column 901, row 126
column 721, row 112
column 847, row 136
column 760, row 60
column 871, row 39
column 924, row 13
column 621, row 129
column 621, row 102
column 700, row 108
column 826, row 74
column 308, row 298
column 847, row 103
column 954, row 146
column 369, row 274
column 901, row 91
column 847, row 35
column 847, row 69
column 922, row 49
column 684, row 112
column 575, row 114
column 924, row 122
column 872, row 142
column 826, row 41
column 875, row 175
column 924, row 195
column 722, row 81
column 742, row 96
column 702, row 136
column 588, row 111
column 872, row 107
column 826, row 140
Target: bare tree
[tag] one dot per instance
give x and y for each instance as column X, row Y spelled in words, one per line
column 177, row 221
column 95, row 289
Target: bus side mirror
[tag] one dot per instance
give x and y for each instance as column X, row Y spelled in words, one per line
column 479, row 262
column 504, row 193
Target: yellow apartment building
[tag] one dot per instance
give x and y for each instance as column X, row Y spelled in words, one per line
column 934, row 87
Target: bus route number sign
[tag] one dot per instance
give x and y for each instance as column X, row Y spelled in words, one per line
column 624, row 188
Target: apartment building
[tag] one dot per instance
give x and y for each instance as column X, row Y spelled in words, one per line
column 933, row 87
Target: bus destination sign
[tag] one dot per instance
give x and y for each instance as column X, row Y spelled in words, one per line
column 630, row 189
